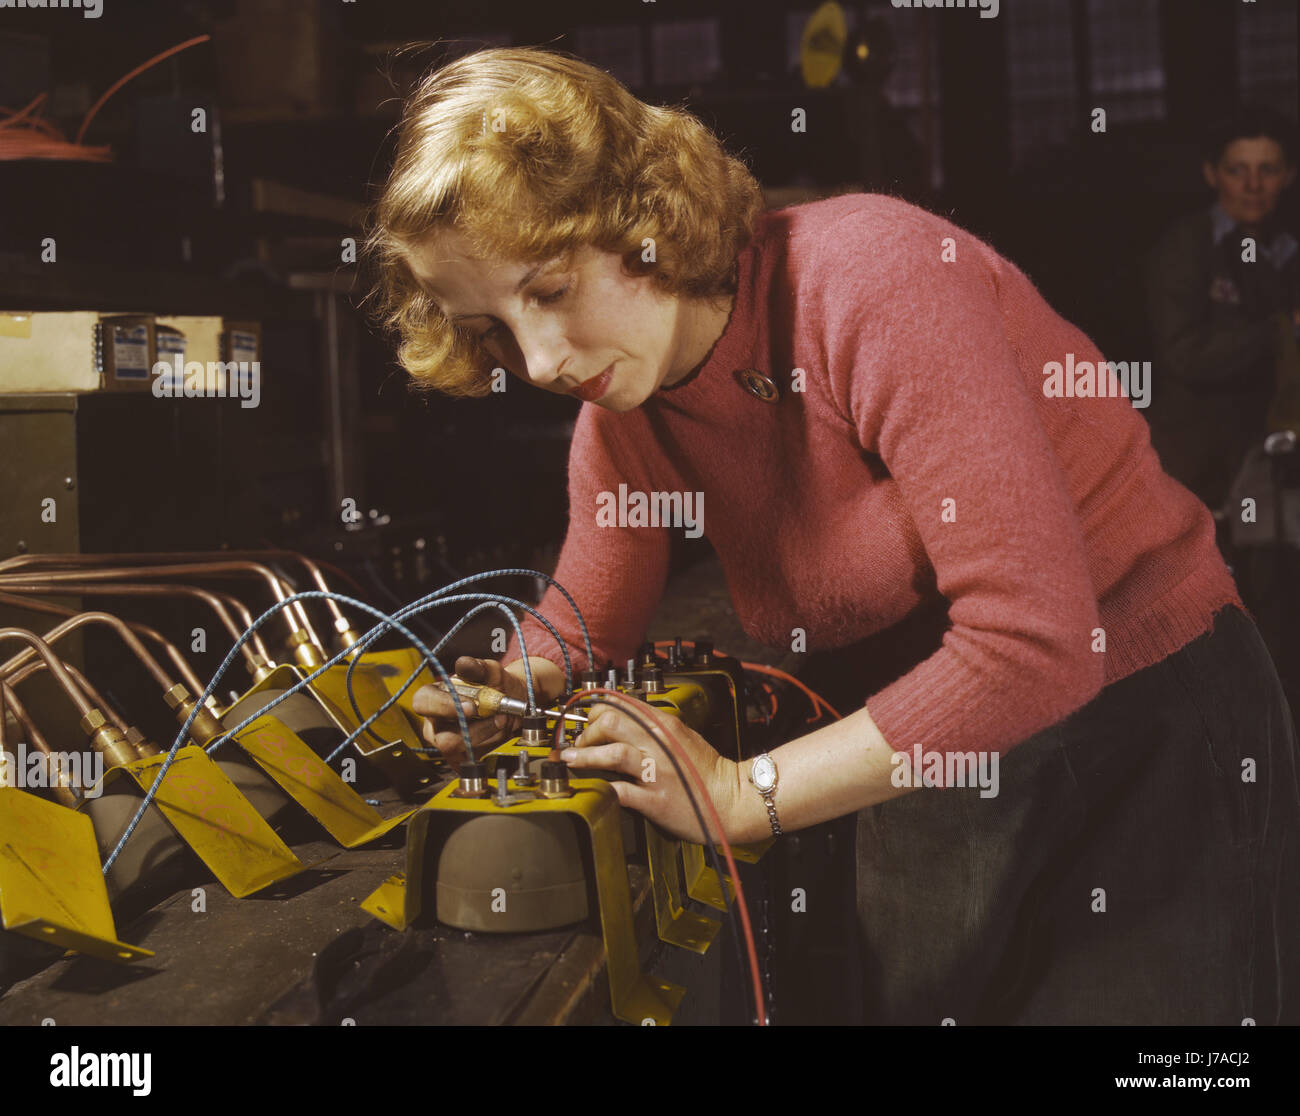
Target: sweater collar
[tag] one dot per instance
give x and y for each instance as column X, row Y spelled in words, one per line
column 734, row 349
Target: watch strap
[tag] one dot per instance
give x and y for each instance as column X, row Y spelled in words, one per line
column 771, row 814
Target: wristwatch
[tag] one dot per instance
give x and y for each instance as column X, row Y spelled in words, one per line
column 762, row 773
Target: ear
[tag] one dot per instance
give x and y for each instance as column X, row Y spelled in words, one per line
column 1211, row 175
column 1290, row 177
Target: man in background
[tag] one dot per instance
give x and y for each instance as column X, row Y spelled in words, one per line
column 1221, row 294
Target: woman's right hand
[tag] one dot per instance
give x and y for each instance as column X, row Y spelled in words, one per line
column 438, row 708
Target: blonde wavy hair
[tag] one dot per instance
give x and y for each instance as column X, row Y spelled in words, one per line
column 532, row 154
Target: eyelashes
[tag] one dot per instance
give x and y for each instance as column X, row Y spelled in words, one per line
column 545, row 300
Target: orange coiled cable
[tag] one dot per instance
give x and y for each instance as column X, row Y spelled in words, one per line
column 25, row 134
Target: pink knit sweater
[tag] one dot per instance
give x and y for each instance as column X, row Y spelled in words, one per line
column 923, row 457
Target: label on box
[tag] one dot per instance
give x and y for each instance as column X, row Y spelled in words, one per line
column 131, row 352
column 243, row 345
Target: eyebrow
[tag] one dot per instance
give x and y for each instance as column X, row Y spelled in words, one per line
column 528, row 278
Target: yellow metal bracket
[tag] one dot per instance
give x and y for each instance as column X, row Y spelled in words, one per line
column 750, row 854
column 634, row 997
column 676, row 925
column 210, row 814
column 702, row 881
column 394, row 668
column 51, row 882
column 313, row 784
column 408, row 770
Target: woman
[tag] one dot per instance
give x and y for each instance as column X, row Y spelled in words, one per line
column 866, row 403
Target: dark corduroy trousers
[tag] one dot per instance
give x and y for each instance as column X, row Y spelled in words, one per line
column 1140, row 863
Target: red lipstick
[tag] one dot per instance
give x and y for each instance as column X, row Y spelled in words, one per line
column 594, row 388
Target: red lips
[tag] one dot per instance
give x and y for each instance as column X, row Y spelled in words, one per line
column 593, row 389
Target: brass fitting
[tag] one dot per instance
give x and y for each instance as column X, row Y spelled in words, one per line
column 472, row 783
column 62, row 788
column 533, row 732
column 92, row 722
column 305, row 652
column 262, row 668
column 107, row 740
column 59, row 773
column 347, row 634
column 142, row 746
column 205, row 728
column 555, row 780
column 60, row 781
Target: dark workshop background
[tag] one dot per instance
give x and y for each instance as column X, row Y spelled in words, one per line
column 983, row 120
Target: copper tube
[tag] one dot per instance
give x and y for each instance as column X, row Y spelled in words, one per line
column 115, row 590
column 178, row 660
column 246, row 618
column 88, row 688
column 24, row 720
column 60, row 675
column 183, row 556
column 65, row 796
column 91, row 691
column 278, row 587
column 313, row 571
column 116, row 573
column 128, row 637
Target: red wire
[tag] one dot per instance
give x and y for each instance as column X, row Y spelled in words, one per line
column 138, row 70
column 667, row 740
column 818, row 702
column 17, row 116
column 815, row 698
column 26, row 135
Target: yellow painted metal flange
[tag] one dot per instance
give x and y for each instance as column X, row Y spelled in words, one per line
column 313, row 784
column 407, row 769
column 210, row 814
column 634, row 997
column 51, row 882
column 395, row 667
column 676, row 925
column 750, row 854
column 702, row 881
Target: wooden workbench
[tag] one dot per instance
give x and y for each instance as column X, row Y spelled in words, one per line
column 303, row 951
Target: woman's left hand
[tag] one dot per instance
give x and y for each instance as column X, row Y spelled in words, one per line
column 612, row 741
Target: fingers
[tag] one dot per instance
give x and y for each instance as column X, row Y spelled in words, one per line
column 608, row 723
column 622, row 757
column 447, row 738
column 435, row 701
column 486, row 672
column 471, row 669
column 632, row 796
column 432, row 701
column 441, row 727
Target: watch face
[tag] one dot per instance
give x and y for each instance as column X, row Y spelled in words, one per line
column 764, row 773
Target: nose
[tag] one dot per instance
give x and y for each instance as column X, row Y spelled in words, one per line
column 542, row 347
